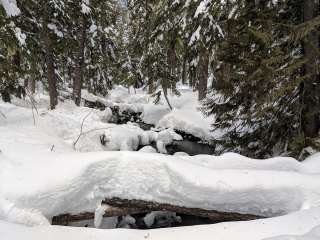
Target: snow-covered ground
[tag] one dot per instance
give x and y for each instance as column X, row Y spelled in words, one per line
column 42, row 174
column 303, row 223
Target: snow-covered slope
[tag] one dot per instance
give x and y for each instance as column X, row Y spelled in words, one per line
column 42, row 175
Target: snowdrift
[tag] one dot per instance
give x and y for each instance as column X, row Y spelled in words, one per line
column 42, row 175
column 33, row 191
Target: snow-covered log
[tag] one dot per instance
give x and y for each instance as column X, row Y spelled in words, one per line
column 65, row 219
column 147, row 206
column 123, row 207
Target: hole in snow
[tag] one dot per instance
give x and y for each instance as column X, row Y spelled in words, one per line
column 152, row 220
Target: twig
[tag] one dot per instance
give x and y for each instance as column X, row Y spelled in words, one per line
column 81, row 129
column 33, row 106
column 2, row 114
column 89, row 131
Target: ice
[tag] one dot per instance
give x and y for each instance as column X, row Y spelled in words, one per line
column 98, row 215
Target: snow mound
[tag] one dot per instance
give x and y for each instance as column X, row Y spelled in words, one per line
column 312, row 235
column 297, row 223
column 86, row 178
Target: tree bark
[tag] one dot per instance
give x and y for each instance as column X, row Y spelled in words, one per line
column 78, row 79
column 184, row 69
column 122, row 207
column 49, row 59
column 203, row 69
column 311, row 89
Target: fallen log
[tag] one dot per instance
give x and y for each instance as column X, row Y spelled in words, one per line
column 65, row 219
column 153, row 206
column 123, row 207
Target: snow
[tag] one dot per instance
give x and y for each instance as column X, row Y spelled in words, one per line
column 85, row 9
column 64, row 125
column 98, row 215
column 160, row 217
column 11, row 8
column 299, row 223
column 184, row 117
column 87, row 178
column 148, row 149
column 43, row 175
column 312, row 235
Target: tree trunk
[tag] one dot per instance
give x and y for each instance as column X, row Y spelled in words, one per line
column 165, row 94
column 203, row 69
column 311, row 89
column 5, row 95
column 32, row 85
column 184, row 70
column 49, row 59
column 78, row 78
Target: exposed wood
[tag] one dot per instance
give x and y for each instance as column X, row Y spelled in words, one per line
column 153, row 206
column 123, row 207
column 65, row 219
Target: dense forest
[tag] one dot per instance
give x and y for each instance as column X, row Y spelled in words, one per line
column 202, row 116
column 254, row 63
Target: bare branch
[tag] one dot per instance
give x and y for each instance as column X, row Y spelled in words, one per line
column 81, row 129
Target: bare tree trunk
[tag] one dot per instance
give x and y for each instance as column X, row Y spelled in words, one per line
column 32, row 85
column 184, row 70
column 32, row 80
column 311, row 90
column 49, row 59
column 78, row 79
column 165, row 94
column 203, row 69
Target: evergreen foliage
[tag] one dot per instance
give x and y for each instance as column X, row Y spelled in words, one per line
column 255, row 63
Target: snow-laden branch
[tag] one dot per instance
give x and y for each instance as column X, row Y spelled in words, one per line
column 11, row 8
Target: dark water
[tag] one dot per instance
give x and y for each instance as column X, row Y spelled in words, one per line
column 190, row 147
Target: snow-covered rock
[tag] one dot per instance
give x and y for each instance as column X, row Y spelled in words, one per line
column 148, row 149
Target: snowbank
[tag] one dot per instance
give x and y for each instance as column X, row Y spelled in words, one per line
column 184, row 117
column 42, row 175
column 294, row 224
column 59, row 129
column 250, row 186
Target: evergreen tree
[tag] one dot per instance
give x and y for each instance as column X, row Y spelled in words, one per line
column 257, row 99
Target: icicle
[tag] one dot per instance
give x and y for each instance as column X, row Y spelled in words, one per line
column 98, row 215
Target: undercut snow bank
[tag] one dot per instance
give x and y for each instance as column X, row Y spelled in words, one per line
column 298, row 223
column 74, row 183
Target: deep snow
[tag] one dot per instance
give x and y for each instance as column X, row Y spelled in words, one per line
column 42, row 174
